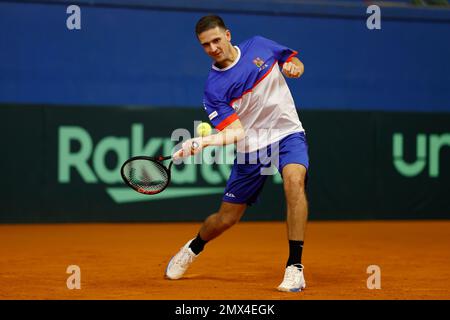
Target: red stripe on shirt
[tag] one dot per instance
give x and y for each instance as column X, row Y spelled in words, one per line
column 256, row 83
column 227, row 121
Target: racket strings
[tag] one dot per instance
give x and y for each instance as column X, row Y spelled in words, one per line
column 146, row 176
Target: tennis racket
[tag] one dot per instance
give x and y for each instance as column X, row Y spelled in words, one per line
column 148, row 175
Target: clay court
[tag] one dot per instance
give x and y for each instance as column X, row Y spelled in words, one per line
column 127, row 261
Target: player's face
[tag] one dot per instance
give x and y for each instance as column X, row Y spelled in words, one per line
column 216, row 43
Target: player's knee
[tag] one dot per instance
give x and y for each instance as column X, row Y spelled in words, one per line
column 295, row 181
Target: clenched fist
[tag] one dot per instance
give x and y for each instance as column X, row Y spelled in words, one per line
column 291, row 70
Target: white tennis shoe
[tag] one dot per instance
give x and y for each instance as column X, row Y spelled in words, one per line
column 293, row 281
column 180, row 262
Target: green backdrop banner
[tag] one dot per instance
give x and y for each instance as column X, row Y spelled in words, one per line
column 61, row 164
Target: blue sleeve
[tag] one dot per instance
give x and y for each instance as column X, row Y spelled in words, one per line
column 219, row 112
column 280, row 52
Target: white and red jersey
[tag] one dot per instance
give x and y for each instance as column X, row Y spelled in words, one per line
column 253, row 90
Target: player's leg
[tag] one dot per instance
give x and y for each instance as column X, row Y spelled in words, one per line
column 227, row 216
column 294, row 163
column 294, row 176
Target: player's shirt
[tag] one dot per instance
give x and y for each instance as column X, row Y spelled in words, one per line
column 253, row 90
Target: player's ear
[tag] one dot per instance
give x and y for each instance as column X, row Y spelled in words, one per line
column 228, row 34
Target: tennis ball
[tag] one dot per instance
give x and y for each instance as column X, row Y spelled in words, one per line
column 203, row 129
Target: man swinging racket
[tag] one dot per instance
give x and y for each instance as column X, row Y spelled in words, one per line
column 248, row 101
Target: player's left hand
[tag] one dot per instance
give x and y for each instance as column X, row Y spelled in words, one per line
column 291, row 70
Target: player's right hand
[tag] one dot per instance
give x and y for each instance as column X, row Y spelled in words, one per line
column 189, row 148
column 178, row 154
column 192, row 146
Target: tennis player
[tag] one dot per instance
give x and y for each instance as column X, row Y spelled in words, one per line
column 248, row 101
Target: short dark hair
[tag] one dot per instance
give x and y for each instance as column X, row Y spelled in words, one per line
column 209, row 22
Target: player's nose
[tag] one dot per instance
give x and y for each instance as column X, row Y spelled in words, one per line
column 213, row 49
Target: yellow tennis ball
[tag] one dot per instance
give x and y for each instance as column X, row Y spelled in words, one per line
column 203, row 129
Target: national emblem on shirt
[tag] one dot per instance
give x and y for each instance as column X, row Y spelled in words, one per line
column 259, row 63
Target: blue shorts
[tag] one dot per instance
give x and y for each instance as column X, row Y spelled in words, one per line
column 250, row 170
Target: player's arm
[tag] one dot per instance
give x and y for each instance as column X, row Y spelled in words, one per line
column 293, row 68
column 230, row 134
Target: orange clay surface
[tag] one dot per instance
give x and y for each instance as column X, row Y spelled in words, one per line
column 127, row 261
